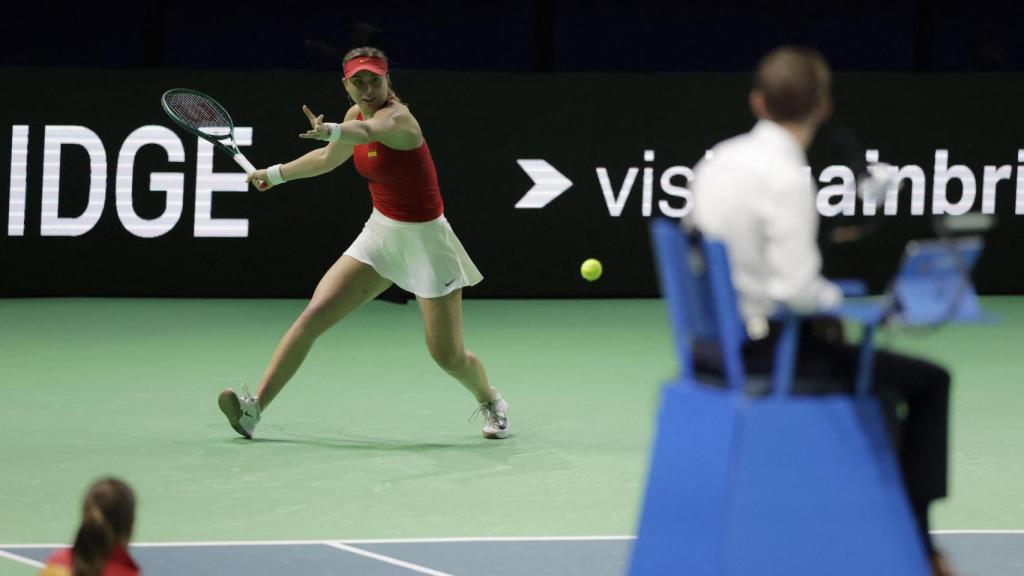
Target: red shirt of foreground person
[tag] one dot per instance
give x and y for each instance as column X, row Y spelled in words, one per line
column 119, row 564
column 101, row 542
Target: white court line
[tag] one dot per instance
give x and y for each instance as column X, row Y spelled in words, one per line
column 388, row 560
column 487, row 539
column 421, row 540
column 22, row 559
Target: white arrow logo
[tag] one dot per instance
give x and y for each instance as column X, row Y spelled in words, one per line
column 548, row 184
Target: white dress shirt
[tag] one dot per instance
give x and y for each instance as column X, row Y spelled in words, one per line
column 755, row 195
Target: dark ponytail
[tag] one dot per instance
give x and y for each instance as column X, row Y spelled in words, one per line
column 108, row 514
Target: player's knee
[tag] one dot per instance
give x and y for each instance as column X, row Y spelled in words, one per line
column 449, row 359
column 314, row 320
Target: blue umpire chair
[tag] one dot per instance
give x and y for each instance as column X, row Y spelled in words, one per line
column 765, row 484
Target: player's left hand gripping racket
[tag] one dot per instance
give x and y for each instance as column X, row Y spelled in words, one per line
column 205, row 117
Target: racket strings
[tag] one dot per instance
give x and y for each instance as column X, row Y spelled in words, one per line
column 199, row 113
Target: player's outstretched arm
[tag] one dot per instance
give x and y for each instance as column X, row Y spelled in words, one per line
column 313, row 163
column 393, row 125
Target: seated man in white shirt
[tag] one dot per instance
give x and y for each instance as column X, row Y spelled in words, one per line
column 754, row 194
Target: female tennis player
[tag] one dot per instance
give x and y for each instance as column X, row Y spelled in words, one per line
column 406, row 241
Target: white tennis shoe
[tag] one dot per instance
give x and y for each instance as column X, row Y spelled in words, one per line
column 495, row 415
column 242, row 411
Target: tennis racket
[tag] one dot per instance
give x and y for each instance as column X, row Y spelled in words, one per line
column 203, row 116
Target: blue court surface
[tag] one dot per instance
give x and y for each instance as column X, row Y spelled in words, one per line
column 976, row 553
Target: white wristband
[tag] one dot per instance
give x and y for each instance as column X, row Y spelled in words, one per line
column 333, row 131
column 274, row 175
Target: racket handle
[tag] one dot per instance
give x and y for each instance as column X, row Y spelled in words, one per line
column 245, row 164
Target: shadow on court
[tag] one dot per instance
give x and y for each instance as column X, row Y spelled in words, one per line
column 283, row 435
column 376, row 446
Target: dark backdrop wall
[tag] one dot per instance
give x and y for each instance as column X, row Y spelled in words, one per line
column 505, row 90
column 106, row 197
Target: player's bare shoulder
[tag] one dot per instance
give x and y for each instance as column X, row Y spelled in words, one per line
column 353, row 112
column 407, row 133
column 399, row 114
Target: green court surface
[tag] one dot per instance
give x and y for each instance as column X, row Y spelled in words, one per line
column 371, row 439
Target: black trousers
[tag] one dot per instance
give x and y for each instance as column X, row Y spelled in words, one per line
column 914, row 395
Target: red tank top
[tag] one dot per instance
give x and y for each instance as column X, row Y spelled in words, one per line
column 119, row 564
column 403, row 183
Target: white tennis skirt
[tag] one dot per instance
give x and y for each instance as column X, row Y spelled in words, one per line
column 425, row 258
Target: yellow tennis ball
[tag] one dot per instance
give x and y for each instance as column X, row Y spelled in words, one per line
column 591, row 269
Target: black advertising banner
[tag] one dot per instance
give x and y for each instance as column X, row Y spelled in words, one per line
column 104, row 196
